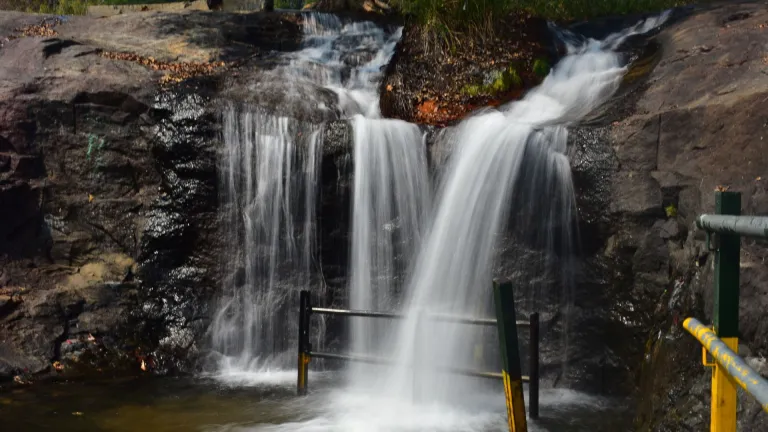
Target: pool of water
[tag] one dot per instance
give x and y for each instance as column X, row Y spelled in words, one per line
column 267, row 402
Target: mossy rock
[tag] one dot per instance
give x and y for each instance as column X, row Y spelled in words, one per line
column 541, row 67
column 500, row 81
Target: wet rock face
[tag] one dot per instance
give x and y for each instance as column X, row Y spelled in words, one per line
column 334, row 212
column 178, row 259
column 108, row 204
column 642, row 176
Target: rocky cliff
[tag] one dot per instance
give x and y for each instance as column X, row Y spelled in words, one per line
column 110, row 245
column 690, row 118
column 108, row 184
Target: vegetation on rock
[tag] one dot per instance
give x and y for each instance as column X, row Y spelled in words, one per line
column 459, row 15
column 65, row 7
column 438, row 77
column 500, row 81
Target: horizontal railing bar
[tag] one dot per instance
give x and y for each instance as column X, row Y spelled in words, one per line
column 468, row 320
column 354, row 313
column 382, row 361
column 746, row 377
column 391, row 315
column 749, row 226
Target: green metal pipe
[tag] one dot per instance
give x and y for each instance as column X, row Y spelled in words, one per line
column 743, row 375
column 748, row 226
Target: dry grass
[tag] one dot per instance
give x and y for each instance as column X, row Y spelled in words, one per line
column 65, row 7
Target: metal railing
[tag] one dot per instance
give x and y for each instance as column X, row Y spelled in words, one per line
column 510, row 352
column 724, row 231
column 741, row 373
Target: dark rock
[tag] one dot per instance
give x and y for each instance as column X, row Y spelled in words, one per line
column 668, row 230
column 108, row 187
column 688, row 125
column 637, row 194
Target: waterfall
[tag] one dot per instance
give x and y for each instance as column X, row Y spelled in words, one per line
column 390, row 204
column 518, row 149
column 269, row 174
column 270, row 167
column 504, row 174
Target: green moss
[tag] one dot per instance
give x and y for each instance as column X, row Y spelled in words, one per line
column 671, row 211
column 471, row 90
column 512, row 79
column 501, row 81
column 498, row 83
column 541, row 67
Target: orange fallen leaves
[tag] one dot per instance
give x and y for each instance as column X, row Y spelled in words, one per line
column 427, row 107
column 44, row 29
column 175, row 72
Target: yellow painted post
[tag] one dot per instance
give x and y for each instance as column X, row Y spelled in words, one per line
column 510, row 357
column 726, row 314
column 724, row 395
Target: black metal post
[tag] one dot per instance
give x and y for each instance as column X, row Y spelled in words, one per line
column 533, row 362
column 305, row 308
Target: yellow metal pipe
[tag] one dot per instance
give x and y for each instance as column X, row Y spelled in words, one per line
column 733, row 367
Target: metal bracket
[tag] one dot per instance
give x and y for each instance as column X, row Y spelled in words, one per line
column 712, row 241
column 706, row 359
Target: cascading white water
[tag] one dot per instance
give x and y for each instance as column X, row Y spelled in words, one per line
column 270, row 170
column 345, row 58
column 453, row 268
column 496, row 157
column 390, row 204
column 270, row 165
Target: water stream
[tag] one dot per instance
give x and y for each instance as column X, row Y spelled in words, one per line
column 516, row 153
column 269, row 180
column 492, row 150
column 390, row 206
column 415, row 247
